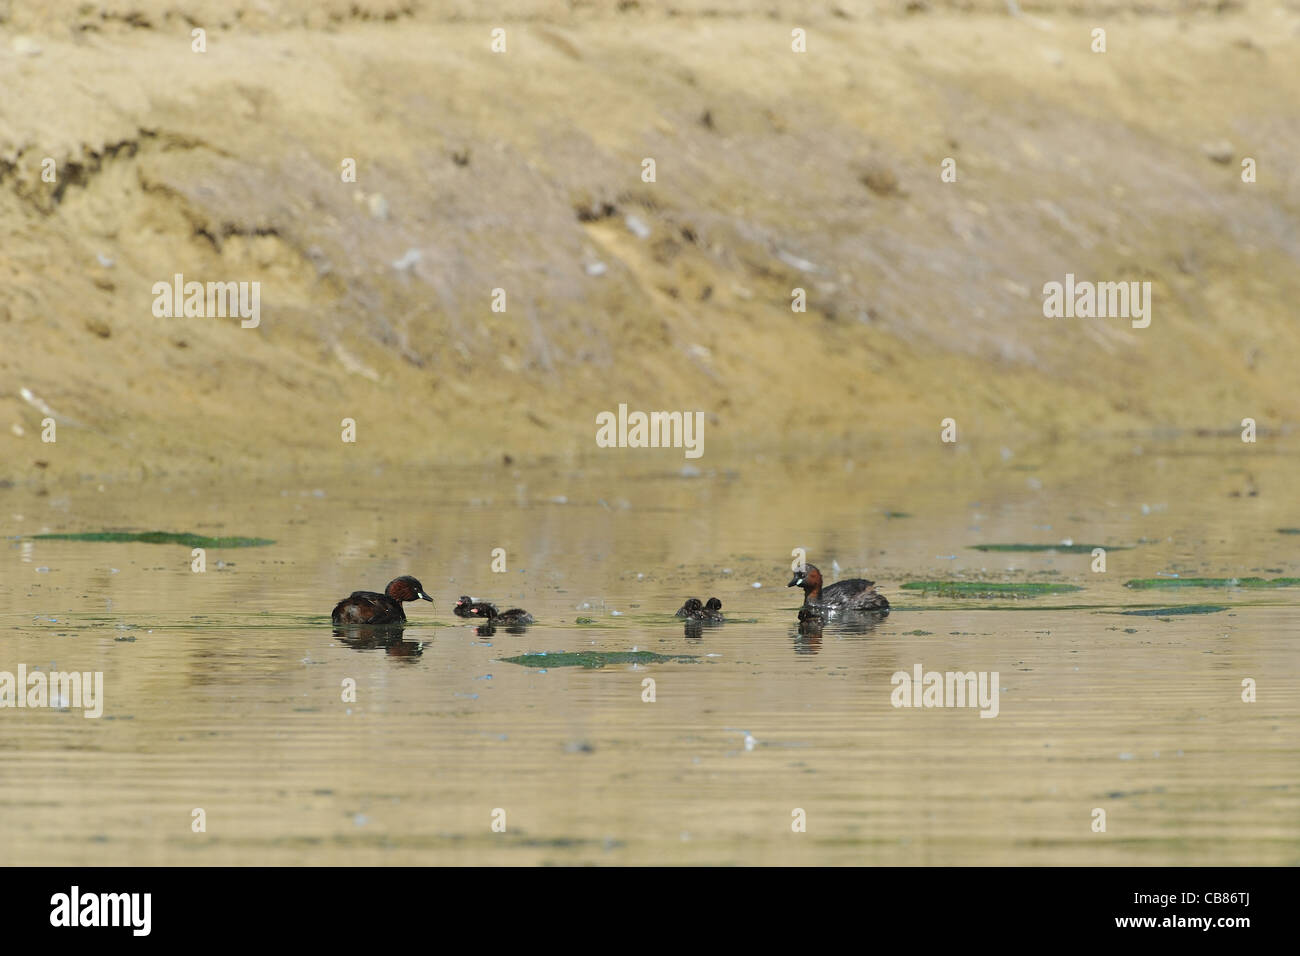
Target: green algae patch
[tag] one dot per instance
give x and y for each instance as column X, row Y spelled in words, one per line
column 1288, row 530
column 990, row 589
column 159, row 537
column 594, row 659
column 1183, row 609
column 1062, row 548
column 1148, row 584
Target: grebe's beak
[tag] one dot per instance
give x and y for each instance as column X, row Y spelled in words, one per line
column 424, row 597
column 794, row 582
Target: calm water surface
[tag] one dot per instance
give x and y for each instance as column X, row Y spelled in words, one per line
column 224, row 689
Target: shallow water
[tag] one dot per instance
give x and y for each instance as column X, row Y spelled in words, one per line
column 223, row 690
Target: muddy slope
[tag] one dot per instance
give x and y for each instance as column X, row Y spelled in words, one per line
column 522, row 171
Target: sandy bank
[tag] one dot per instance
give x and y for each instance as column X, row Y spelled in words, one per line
column 522, row 171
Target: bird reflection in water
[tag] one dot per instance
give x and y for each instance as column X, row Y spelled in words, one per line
column 488, row 629
column 694, row 628
column 807, row 633
column 390, row 639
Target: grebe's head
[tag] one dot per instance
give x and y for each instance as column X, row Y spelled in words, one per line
column 810, row 579
column 406, row 588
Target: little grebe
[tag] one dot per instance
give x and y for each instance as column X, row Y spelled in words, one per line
column 468, row 607
column 695, row 611
column 367, row 607
column 854, row 595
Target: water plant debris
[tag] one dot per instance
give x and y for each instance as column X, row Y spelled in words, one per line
column 1184, row 609
column 159, row 537
column 990, row 589
column 1146, row 584
column 1063, row 548
column 594, row 659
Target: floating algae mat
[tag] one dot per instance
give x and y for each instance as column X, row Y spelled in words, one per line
column 1064, row 548
column 1183, row 609
column 594, row 659
column 1146, row 584
column 159, row 537
column 990, row 589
